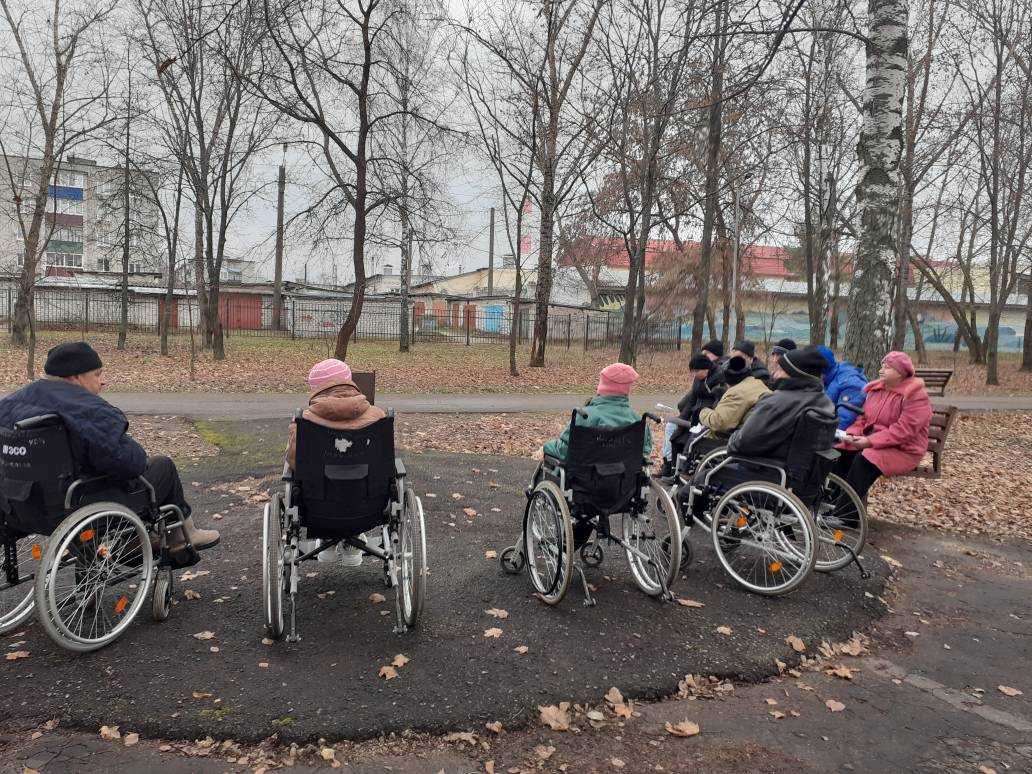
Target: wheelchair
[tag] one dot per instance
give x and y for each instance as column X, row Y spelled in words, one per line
column 570, row 506
column 86, row 552
column 795, row 517
column 345, row 483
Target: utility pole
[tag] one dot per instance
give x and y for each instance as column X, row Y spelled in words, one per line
column 490, row 256
column 277, row 286
column 123, row 327
column 739, row 320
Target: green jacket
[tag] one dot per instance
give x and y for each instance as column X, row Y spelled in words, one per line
column 603, row 411
column 730, row 411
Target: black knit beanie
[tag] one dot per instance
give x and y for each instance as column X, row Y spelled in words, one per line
column 807, row 363
column 71, row 359
column 736, row 370
column 716, row 347
column 700, row 362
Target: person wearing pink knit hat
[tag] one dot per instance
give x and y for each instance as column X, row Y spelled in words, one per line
column 610, row 407
column 890, row 437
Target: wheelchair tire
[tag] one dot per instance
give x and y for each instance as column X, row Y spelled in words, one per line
column 17, row 603
column 272, row 567
column 707, row 463
column 512, row 560
column 591, row 553
column 657, row 534
column 99, row 558
column 161, row 599
column 411, row 561
column 764, row 537
column 548, row 542
column 842, row 518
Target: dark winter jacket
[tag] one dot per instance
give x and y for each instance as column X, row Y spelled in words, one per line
column 769, row 427
column 705, row 393
column 96, row 429
column 844, row 382
column 759, row 371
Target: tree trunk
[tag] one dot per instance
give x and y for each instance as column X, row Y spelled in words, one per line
column 919, row 345
column 199, row 280
column 869, row 320
column 406, row 278
column 1026, row 348
column 713, row 135
column 350, row 325
column 543, row 296
column 514, row 324
column 992, row 357
column 173, row 252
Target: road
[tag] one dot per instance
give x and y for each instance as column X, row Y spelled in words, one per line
column 249, row 406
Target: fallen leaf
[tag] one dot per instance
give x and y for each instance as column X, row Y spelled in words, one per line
column 201, row 695
column 489, row 767
column 772, row 702
column 490, row 554
column 780, row 665
column 191, row 594
column 797, row 644
column 400, row 660
column 544, row 752
column 684, row 729
column 468, row 737
column 190, row 575
column 267, row 641
column 1006, row 690
column 263, row 664
column 725, row 630
column 388, row 672
column 205, row 635
column 776, row 714
column 983, row 769
column 471, row 513
column 327, row 753
column 613, row 696
column 110, row 733
column 521, row 649
column 622, row 710
column 497, row 612
column 494, row 726
column 130, row 739
column 17, row 654
column 683, row 602
column 617, row 763
column 555, row 717
column 493, row 632
column 891, row 562
column 456, row 496
column 840, row 671
column 834, row 705
column 912, row 634
column 595, row 715
column 376, row 598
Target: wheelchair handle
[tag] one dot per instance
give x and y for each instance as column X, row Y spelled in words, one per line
column 653, row 417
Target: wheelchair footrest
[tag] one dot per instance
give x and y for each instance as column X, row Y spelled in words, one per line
column 186, row 556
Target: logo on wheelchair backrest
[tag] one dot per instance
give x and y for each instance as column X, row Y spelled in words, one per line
column 342, row 445
column 15, row 451
column 613, row 442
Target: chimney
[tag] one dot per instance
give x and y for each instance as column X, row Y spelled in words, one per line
column 388, row 269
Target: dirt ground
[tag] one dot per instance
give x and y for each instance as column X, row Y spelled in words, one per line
column 259, row 364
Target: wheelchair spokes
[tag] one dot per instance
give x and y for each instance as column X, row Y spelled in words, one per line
column 653, row 542
column 19, row 560
column 841, row 520
column 548, row 542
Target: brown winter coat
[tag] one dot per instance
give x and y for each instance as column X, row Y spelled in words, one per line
column 340, row 406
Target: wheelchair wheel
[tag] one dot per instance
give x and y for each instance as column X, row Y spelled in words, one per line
column 412, row 559
column 841, row 520
column 706, row 464
column 17, row 601
column 161, row 599
column 656, row 533
column 764, row 537
column 95, row 576
column 548, row 542
column 272, row 567
column 512, row 560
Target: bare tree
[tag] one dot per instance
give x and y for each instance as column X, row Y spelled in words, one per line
column 58, row 94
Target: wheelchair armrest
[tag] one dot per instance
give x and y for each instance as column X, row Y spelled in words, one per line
column 554, row 461
column 37, row 421
column 681, row 423
column 766, row 462
column 112, row 480
column 829, row 454
column 399, row 468
column 653, row 417
column 288, row 474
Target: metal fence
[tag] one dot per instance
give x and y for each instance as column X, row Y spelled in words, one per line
column 462, row 323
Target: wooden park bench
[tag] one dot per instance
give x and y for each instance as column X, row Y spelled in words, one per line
column 942, row 422
column 935, row 379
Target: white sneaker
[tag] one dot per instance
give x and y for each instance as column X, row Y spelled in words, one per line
column 328, row 555
column 349, row 556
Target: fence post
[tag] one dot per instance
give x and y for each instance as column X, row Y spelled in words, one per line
column 86, row 314
column 678, row 334
column 10, row 310
column 467, row 313
column 293, row 318
column 587, row 320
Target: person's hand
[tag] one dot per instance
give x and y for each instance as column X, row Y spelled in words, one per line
column 861, row 442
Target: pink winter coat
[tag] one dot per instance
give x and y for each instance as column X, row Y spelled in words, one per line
column 896, row 419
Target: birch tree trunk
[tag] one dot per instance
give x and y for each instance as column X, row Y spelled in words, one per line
column 869, row 315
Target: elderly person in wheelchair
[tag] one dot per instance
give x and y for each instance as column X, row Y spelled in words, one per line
column 110, row 516
column 598, row 468
column 758, row 499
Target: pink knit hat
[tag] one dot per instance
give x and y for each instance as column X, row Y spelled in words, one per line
column 616, row 379
column 899, row 361
column 326, row 371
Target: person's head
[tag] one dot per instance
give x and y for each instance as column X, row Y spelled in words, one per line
column 616, row 379
column 735, row 370
column 328, row 373
column 76, row 362
column 744, row 348
column 829, row 355
column 895, row 367
column 779, row 349
column 700, row 365
column 805, row 363
column 714, row 349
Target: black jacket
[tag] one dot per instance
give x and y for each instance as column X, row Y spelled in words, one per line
column 705, row 393
column 759, row 370
column 769, row 427
column 96, row 429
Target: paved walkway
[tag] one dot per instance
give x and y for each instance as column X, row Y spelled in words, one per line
column 278, row 405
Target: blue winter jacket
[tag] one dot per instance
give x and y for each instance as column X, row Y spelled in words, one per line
column 96, row 429
column 843, row 381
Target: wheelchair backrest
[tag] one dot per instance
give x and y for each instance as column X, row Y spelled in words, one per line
column 344, row 476
column 36, row 469
column 603, row 464
column 806, row 466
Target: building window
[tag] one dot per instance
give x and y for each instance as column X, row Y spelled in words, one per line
column 135, row 267
column 64, row 206
column 67, row 234
column 71, row 179
column 71, row 260
column 103, row 264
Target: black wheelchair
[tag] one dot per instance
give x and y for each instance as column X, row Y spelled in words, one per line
column 773, row 521
column 86, row 552
column 345, row 483
column 570, row 506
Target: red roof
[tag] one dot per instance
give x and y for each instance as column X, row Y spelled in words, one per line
column 759, row 260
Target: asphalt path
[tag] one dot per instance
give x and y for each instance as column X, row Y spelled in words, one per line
column 161, row 681
column 247, row 406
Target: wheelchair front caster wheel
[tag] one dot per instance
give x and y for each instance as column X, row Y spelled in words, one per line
column 591, row 554
column 512, row 560
column 161, row 601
